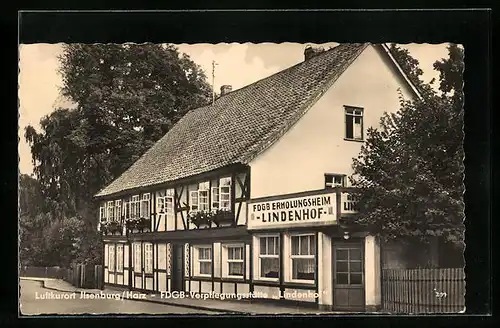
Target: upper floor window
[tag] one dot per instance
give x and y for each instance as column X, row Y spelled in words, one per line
column 111, row 208
column 118, row 209
column 102, row 213
column 203, row 190
column 353, row 123
column 334, row 180
column 225, row 193
column 145, row 206
column 135, row 209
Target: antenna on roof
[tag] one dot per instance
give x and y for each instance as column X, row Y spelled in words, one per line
column 213, row 80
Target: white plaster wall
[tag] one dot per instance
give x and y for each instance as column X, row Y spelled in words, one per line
column 125, row 256
column 227, row 287
column 162, row 281
column 162, row 256
column 195, row 286
column 119, row 279
column 316, row 145
column 243, row 288
column 325, row 269
column 106, row 275
column 125, row 276
column 206, row 286
column 372, row 272
column 217, row 260
column 267, row 292
column 149, row 283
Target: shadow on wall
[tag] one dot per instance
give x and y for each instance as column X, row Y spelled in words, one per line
column 437, row 254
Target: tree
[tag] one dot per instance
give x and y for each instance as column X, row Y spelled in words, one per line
column 126, row 97
column 410, row 172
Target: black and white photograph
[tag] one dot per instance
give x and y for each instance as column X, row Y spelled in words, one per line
column 241, row 178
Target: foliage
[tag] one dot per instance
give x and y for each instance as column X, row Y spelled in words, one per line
column 138, row 223
column 125, row 98
column 410, row 171
column 218, row 216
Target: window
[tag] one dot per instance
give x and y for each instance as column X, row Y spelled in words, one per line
column 148, row 258
column 269, row 261
column 111, row 215
column 111, row 258
column 169, row 201
column 119, row 258
column 303, row 257
column 193, row 200
column 102, row 213
column 203, row 190
column 225, row 193
column 160, row 203
column 145, row 207
column 235, row 261
column 204, row 258
column 349, row 266
column 126, row 207
column 215, row 198
column 135, row 207
column 354, row 123
column 118, row 210
column 334, row 180
column 137, row 258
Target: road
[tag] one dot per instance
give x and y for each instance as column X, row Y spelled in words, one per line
column 31, row 303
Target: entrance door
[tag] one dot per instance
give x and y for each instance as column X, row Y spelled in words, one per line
column 177, row 267
column 348, row 277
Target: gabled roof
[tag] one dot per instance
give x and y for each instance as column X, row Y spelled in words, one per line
column 238, row 126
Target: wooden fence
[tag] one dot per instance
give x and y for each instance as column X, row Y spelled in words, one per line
column 423, row 290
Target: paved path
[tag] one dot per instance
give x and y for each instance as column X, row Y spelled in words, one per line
column 226, row 306
column 35, row 299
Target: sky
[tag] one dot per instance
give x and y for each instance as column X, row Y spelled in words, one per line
column 237, row 65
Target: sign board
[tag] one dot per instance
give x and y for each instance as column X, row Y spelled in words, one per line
column 348, row 203
column 311, row 210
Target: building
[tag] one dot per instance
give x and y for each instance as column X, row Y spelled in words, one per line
column 271, row 160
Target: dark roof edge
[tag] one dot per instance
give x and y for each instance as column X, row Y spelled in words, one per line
column 165, row 185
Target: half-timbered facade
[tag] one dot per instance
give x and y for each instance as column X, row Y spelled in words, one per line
column 250, row 194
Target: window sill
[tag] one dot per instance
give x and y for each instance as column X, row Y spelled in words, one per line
column 263, row 279
column 355, row 140
column 301, row 282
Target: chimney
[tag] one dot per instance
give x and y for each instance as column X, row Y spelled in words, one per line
column 225, row 89
column 310, row 52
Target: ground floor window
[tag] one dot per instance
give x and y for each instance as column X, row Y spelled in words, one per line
column 148, row 258
column 233, row 258
column 268, row 261
column 119, row 258
column 303, row 257
column 202, row 260
column 137, row 258
column 111, row 258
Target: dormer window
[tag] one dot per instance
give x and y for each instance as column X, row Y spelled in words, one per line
column 353, row 123
column 334, row 180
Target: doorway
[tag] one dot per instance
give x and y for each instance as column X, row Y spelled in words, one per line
column 348, row 276
column 177, row 267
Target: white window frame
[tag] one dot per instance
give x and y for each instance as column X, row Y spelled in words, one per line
column 102, row 213
column 330, row 180
column 111, row 258
column 204, row 196
column 110, row 210
column 292, row 256
column 260, row 257
column 227, row 260
column 135, row 209
column 215, row 200
column 160, row 200
column 118, row 210
column 222, row 194
column 145, row 206
column 197, row 261
column 137, row 257
column 148, row 258
column 354, row 112
column 119, row 258
column 192, row 196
